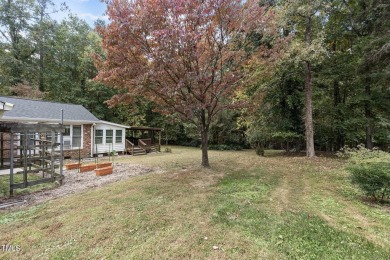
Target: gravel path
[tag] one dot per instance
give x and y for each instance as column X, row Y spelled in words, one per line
column 76, row 182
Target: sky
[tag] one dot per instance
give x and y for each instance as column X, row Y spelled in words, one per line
column 89, row 10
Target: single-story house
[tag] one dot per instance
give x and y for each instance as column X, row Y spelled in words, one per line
column 84, row 133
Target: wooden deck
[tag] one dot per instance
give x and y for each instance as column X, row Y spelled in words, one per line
column 144, row 146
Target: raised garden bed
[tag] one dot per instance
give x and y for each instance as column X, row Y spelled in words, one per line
column 104, row 171
column 103, row 165
column 87, row 168
column 72, row 166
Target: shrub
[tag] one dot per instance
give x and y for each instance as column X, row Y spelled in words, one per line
column 168, row 150
column 225, row 147
column 373, row 178
column 259, row 148
column 370, row 170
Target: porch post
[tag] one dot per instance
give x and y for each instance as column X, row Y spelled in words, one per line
column 133, row 141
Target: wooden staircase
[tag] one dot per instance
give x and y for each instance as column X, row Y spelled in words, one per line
column 154, row 148
column 133, row 149
column 144, row 146
column 137, row 151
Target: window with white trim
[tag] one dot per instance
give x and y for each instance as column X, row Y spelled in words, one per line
column 76, row 136
column 98, row 136
column 73, row 137
column 109, row 136
column 118, row 136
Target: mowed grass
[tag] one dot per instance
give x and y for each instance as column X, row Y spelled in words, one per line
column 243, row 207
column 18, row 178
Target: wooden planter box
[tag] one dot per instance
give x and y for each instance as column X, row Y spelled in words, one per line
column 72, row 166
column 104, row 171
column 87, row 168
column 103, row 165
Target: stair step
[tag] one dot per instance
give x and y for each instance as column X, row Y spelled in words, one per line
column 139, row 151
column 137, row 154
column 136, row 151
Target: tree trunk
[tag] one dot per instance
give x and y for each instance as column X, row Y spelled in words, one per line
column 204, row 132
column 309, row 129
column 260, row 148
column 166, row 136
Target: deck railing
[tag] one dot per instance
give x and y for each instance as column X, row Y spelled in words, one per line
column 129, row 146
column 144, row 144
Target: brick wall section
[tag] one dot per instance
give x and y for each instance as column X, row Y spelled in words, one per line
column 86, row 151
column 6, row 145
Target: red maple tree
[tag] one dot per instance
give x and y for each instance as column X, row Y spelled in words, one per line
column 181, row 54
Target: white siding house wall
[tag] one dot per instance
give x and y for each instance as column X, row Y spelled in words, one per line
column 104, row 146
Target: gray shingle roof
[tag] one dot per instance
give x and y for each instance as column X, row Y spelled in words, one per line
column 45, row 111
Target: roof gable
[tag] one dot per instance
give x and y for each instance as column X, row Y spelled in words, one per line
column 102, row 122
column 45, row 111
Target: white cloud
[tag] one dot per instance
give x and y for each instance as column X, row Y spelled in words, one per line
column 88, row 10
column 93, row 17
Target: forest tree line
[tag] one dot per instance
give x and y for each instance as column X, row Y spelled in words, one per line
column 340, row 47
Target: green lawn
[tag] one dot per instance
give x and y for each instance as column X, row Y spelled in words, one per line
column 18, row 178
column 243, row 207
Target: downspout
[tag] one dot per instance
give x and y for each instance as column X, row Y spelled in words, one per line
column 92, row 138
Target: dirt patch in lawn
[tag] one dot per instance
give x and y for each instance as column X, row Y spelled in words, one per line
column 75, row 182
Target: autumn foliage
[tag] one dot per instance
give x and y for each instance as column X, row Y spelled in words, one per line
column 184, row 55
